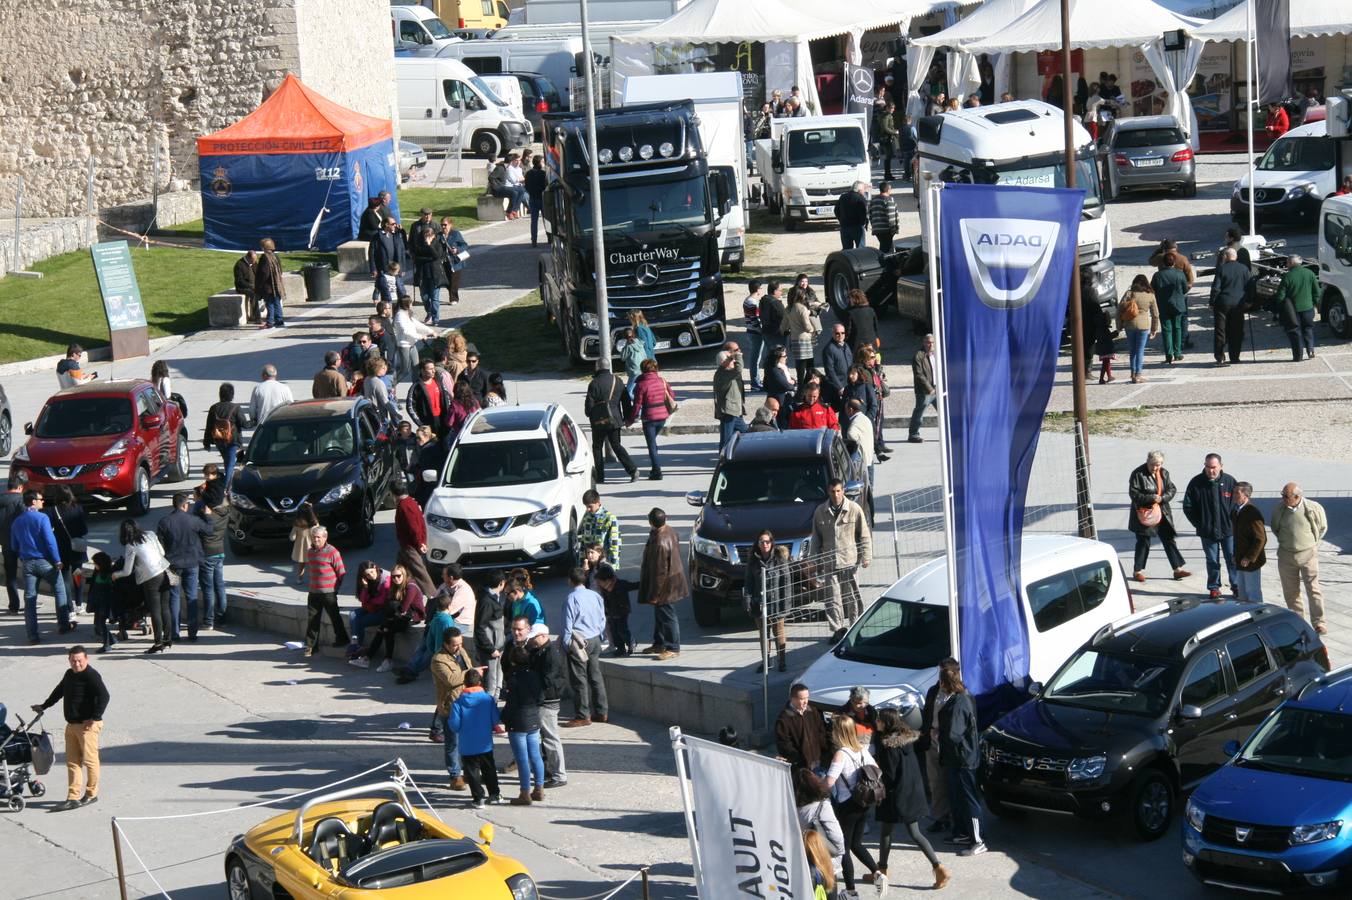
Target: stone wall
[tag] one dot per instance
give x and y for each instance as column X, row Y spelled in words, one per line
column 128, row 82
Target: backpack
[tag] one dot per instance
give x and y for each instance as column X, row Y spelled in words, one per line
column 868, row 790
column 223, row 429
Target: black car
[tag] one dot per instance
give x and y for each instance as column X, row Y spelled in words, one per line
column 1143, row 711
column 774, row 480
column 334, row 454
column 538, row 96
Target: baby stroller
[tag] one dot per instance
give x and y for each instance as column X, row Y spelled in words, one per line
column 23, row 754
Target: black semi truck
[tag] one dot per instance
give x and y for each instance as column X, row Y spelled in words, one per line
column 659, row 214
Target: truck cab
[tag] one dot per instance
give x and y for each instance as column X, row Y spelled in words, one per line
column 659, row 214
column 808, row 162
column 1335, row 263
column 418, row 31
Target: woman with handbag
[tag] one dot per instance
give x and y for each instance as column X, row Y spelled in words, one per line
column 867, row 357
column 1151, row 490
column 847, row 766
column 1139, row 314
column 143, row 560
column 401, row 611
column 654, row 403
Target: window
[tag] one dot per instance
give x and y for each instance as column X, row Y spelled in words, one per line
column 486, row 6
column 1065, row 596
column 1299, row 154
column 1249, row 659
column 1288, row 641
column 899, row 633
column 501, row 463
column 1115, row 683
column 503, row 11
column 459, row 95
column 1338, row 235
column 84, row 417
column 483, row 65
column 364, row 430
column 527, row 89
column 1131, row 138
column 147, row 402
column 567, row 439
column 412, row 33
column 1205, row 683
column 770, row 481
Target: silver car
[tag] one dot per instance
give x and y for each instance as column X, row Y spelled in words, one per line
column 1149, row 152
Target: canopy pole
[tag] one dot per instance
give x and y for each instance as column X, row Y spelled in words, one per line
column 1250, row 61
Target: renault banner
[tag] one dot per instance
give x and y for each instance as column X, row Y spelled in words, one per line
column 744, row 830
column 1006, row 259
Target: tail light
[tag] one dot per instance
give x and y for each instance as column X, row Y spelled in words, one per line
column 461, row 23
column 1183, row 155
column 1121, row 159
column 542, row 107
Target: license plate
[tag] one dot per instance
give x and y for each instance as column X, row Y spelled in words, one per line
column 823, row 211
column 1149, row 163
column 664, row 345
column 494, row 548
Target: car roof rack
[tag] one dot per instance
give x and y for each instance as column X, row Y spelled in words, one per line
column 1229, row 622
column 1136, row 619
column 1330, row 677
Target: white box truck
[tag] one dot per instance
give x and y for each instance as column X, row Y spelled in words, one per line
column 718, row 105
column 808, row 162
column 442, row 104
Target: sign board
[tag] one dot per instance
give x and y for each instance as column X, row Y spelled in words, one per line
column 859, row 93
column 121, row 299
column 746, row 57
column 1212, row 89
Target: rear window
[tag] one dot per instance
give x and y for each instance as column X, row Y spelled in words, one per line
column 1068, row 595
column 1249, row 659
column 1288, row 641
column 1128, row 138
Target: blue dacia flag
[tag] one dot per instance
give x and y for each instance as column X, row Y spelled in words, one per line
column 1006, row 259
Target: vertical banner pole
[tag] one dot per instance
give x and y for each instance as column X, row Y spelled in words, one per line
column 117, row 856
column 683, row 778
column 1251, row 61
column 932, row 198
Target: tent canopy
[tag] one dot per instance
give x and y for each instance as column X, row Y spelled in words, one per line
column 716, row 21
column 1309, row 18
column 986, row 20
column 296, row 119
column 1131, row 23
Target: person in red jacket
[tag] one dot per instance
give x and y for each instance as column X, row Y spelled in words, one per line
column 410, row 530
column 1278, row 123
column 812, row 413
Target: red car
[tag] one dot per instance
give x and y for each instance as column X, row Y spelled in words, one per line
column 108, row 442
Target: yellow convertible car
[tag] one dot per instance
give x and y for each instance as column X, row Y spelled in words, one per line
column 350, row 844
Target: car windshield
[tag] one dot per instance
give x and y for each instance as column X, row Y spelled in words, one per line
column 295, row 442
column 1298, row 154
column 437, row 29
column 899, row 633
column 501, row 463
column 773, row 481
column 826, row 147
column 1045, row 173
column 1306, row 742
column 84, row 417
column 1129, row 138
column 649, row 207
column 1113, row 683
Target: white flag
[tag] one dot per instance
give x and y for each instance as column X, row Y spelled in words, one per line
column 748, row 839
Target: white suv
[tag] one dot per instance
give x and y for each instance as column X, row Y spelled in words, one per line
column 510, row 493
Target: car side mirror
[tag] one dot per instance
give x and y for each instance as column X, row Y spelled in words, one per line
column 1190, row 712
column 576, row 467
column 27, row 427
column 429, row 475
column 695, row 498
column 853, row 489
column 1034, row 688
column 152, row 420
column 1231, row 748
column 486, row 834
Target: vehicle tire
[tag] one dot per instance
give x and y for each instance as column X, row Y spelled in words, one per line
column 237, row 879
column 565, row 563
column 182, row 468
column 998, row 807
column 366, row 529
column 16, row 803
column 487, row 145
column 570, row 340
column 139, row 502
column 1190, row 189
column 1335, row 314
column 1152, row 805
column 840, row 278
column 788, row 221
column 37, row 788
column 6, row 434
column 708, row 611
column 241, row 548
column 734, row 267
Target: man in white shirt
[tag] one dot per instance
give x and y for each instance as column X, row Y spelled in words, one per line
column 268, row 395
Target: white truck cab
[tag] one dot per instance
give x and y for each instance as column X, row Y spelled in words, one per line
column 1335, row 262
column 1022, row 143
column 418, row 31
column 808, row 162
column 444, row 105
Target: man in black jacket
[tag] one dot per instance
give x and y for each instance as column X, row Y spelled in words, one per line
column 801, row 735
column 1228, row 290
column 84, row 698
column 1209, row 504
column 181, row 533
column 489, row 630
column 548, row 662
column 605, row 406
column 387, row 247
column 852, row 214
column 244, row 284
column 475, row 377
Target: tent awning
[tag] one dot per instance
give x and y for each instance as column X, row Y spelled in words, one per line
column 986, row 20
column 1309, row 18
column 296, row 119
column 718, row 21
column 1130, row 24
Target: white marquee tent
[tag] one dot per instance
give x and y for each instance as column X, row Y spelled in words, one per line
column 963, row 76
column 1309, row 18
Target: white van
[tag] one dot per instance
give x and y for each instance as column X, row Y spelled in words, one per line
column 558, row 59
column 444, row 105
column 418, row 32
column 1335, row 263
column 1291, row 179
column 1072, row 587
column 508, row 89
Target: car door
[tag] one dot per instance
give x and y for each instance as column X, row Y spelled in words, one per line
column 374, row 463
column 1198, row 739
column 150, row 409
column 1259, row 684
column 459, row 113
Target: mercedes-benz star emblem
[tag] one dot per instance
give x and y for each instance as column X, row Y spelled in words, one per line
column 648, row 273
column 863, row 81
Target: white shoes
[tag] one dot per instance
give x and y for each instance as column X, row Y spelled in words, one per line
column 385, row 666
column 359, row 662
column 880, row 883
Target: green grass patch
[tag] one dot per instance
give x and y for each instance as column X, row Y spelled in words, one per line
column 517, row 338
column 40, row 317
column 461, row 204
column 1100, row 421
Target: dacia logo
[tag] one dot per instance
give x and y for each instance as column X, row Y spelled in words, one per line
column 1008, row 259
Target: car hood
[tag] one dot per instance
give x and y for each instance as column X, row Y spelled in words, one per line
column 1268, row 179
column 830, row 679
column 492, row 502
column 70, row 451
column 1042, row 725
column 1273, row 798
column 292, row 481
column 741, row 524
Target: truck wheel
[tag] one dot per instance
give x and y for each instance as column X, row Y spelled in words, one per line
column 1335, row 314
column 841, row 278
column 789, row 223
column 570, row 340
column 708, row 612
column 487, row 145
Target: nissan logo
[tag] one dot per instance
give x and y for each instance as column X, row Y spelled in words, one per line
column 63, row 471
column 648, row 273
column 491, row 525
column 1029, row 762
column 287, row 501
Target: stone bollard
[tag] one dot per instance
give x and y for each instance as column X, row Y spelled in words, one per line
column 492, row 209
column 352, row 258
column 225, row 310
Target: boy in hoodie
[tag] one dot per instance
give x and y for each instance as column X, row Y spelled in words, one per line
column 473, row 716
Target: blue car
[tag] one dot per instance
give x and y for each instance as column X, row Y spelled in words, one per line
column 1277, row 818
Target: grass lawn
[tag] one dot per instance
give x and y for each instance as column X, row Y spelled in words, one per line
column 517, row 338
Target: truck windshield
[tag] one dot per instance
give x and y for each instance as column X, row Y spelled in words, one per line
column 1298, row 154
column 649, row 207
column 826, row 147
column 437, row 29
column 1045, row 173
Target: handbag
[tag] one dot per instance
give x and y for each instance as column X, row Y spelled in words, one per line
column 669, row 399
column 78, row 545
column 604, row 420
column 1151, row 515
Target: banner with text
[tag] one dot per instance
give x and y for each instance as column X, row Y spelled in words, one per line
column 1006, row 259
column 859, row 93
column 748, row 839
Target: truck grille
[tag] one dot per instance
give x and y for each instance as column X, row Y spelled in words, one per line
column 827, row 193
column 1089, row 253
column 676, row 283
column 1226, row 832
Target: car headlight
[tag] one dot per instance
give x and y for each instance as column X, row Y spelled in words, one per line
column 118, row 446
column 590, row 321
column 1234, row 193
column 709, row 308
column 706, row 547
column 336, row 493
column 239, row 501
column 1106, row 280
column 1301, row 190
column 441, row 523
column 1196, row 818
column 111, row 469
column 546, row 515
column 1086, row 768
column 1313, row 834
column 522, row 888
column 21, row 455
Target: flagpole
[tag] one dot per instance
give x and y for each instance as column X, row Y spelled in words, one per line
column 1250, row 61
column 930, row 197
column 683, row 781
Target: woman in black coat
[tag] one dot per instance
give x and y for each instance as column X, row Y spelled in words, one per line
column 70, row 527
column 905, row 804
column 522, row 689
column 1150, row 484
column 429, row 265
column 861, row 327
